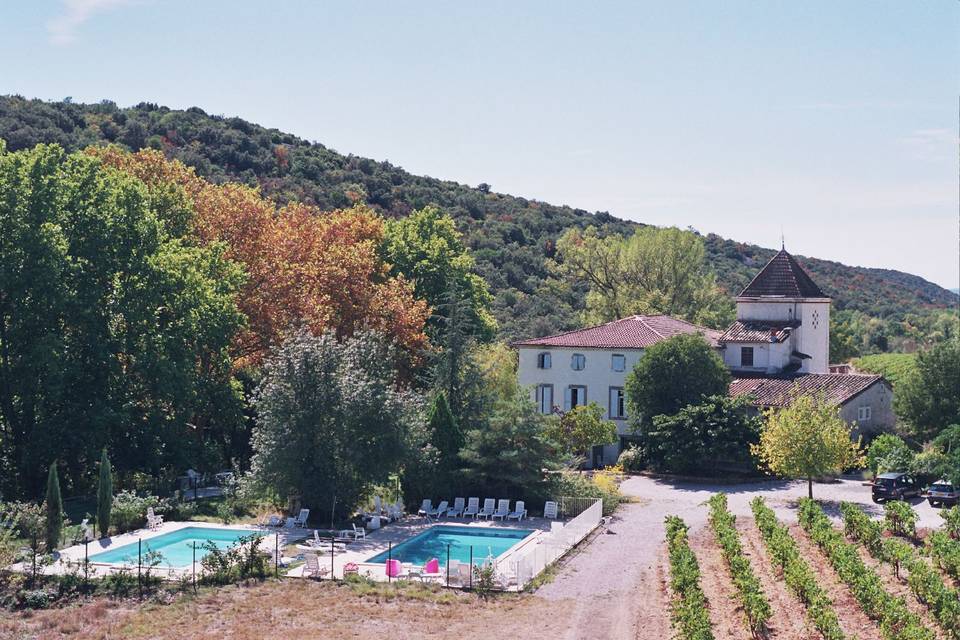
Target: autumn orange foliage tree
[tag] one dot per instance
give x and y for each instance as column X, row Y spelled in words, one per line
column 304, row 267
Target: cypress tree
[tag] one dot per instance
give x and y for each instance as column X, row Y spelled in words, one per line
column 447, row 437
column 54, row 509
column 104, row 495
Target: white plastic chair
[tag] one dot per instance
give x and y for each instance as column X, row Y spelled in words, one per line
column 456, row 509
column 473, row 508
column 550, row 510
column 519, row 512
column 488, row 508
column 503, row 509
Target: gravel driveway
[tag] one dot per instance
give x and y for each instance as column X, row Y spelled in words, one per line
column 615, row 586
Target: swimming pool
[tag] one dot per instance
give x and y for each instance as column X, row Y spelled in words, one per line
column 176, row 547
column 432, row 543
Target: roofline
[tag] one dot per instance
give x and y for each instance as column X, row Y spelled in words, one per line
column 878, row 378
column 780, row 299
column 531, row 342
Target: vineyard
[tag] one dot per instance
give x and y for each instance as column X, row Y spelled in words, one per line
column 867, row 577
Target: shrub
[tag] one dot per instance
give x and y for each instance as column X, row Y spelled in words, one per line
column 575, row 485
column 104, row 495
column 129, row 511
column 951, row 521
column 900, row 517
column 243, row 561
column 888, row 452
column 631, row 459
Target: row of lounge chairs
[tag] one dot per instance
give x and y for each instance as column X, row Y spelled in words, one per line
column 461, row 508
column 300, row 522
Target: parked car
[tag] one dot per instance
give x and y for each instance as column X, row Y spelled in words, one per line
column 895, row 486
column 944, row 493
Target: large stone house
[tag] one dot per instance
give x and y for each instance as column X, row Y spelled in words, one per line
column 777, row 350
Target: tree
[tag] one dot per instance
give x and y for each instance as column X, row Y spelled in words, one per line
column 305, row 268
column 332, row 420
column 54, row 509
column 927, row 400
column 888, row 452
column 104, row 495
column 807, row 440
column 653, row 271
column 426, row 249
column 715, row 434
column 114, row 326
column 672, row 374
column 509, row 456
column 446, row 434
column 581, row 428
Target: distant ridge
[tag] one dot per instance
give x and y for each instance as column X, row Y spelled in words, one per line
column 511, row 237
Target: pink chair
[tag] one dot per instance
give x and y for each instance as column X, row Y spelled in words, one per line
column 394, row 568
column 432, row 566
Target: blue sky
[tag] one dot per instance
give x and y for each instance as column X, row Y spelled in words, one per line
column 833, row 122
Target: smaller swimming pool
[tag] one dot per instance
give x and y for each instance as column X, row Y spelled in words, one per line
column 432, row 543
column 176, row 547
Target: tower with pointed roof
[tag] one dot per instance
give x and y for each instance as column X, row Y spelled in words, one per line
column 783, row 322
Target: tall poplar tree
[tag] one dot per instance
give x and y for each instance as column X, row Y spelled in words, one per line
column 54, row 505
column 104, row 495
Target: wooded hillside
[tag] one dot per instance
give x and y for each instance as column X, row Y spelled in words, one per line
column 511, row 237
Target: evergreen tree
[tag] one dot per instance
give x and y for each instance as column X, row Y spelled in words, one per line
column 445, row 432
column 104, row 495
column 54, row 509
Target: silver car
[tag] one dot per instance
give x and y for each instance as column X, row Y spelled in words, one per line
column 944, row 493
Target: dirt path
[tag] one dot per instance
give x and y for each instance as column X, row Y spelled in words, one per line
column 789, row 616
column 853, row 620
column 726, row 614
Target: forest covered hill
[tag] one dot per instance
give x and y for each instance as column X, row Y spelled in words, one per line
column 511, row 237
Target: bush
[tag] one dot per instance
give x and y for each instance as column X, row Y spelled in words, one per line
column 888, row 452
column 129, row 511
column 900, row 517
column 243, row 561
column 576, row 485
column 631, row 459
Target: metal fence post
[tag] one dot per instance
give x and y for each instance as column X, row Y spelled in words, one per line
column 193, row 545
column 139, row 563
column 332, row 540
column 276, row 554
column 471, row 566
column 86, row 561
column 448, row 565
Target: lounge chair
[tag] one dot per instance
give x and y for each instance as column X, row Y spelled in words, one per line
column 456, row 509
column 441, row 510
column 358, row 533
column 488, row 508
column 393, row 513
column 313, row 569
column 465, row 573
column 473, row 508
column 153, row 520
column 394, row 568
column 425, row 508
column 550, row 510
column 431, row 570
column 301, row 519
column 503, row 509
column 274, row 521
column 291, row 523
column 519, row 512
column 323, row 543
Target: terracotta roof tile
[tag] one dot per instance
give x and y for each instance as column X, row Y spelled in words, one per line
column 783, row 277
column 758, row 331
column 635, row 332
column 780, row 391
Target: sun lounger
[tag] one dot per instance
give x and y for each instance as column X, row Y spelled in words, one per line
column 394, row 568
column 313, row 569
column 503, row 509
column 519, row 512
column 425, row 508
column 153, row 520
column 358, row 533
column 550, row 510
column 441, row 510
column 457, row 508
column 488, row 508
column 431, row 570
column 301, row 519
column 473, row 508
column 291, row 523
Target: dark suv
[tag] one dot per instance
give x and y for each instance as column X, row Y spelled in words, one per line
column 944, row 493
column 895, row 486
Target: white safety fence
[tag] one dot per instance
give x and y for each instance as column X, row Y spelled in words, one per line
column 526, row 563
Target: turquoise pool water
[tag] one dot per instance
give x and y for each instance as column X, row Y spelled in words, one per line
column 432, row 543
column 176, row 546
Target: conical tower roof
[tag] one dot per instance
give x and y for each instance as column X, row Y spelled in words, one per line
column 783, row 277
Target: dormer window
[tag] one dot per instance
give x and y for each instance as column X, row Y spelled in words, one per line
column 543, row 360
column 578, row 361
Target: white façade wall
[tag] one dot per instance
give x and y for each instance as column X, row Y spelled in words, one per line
column 813, row 336
column 597, row 375
column 768, row 357
column 879, row 397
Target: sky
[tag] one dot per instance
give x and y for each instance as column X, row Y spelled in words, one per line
column 833, row 125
